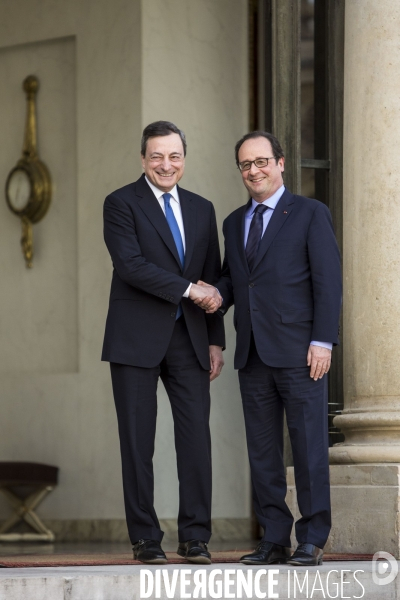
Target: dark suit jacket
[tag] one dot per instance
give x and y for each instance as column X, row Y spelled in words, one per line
column 148, row 281
column 293, row 295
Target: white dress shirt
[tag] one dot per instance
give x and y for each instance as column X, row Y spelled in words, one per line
column 176, row 209
column 271, row 204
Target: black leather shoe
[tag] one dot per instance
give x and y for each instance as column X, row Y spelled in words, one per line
column 196, row 551
column 149, row 551
column 267, row 553
column 306, row 555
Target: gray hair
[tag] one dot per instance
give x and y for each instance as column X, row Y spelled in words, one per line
column 160, row 128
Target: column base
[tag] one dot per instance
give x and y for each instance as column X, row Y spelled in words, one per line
column 365, row 508
column 371, row 435
column 348, row 454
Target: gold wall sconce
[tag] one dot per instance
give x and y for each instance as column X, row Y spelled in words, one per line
column 28, row 185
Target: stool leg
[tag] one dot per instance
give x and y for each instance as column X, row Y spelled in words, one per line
column 10, row 522
column 24, row 510
column 13, row 499
column 36, row 497
column 17, row 503
column 30, row 504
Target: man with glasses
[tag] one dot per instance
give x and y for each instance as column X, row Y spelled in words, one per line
column 282, row 273
column 162, row 239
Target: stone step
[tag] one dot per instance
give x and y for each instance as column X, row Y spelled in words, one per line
column 331, row 580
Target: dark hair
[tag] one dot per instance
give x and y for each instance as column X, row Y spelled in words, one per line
column 276, row 147
column 160, row 128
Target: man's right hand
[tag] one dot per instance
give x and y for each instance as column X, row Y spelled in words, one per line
column 206, row 296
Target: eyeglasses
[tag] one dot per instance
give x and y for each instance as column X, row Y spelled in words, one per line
column 259, row 162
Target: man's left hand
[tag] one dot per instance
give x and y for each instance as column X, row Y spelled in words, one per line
column 216, row 360
column 319, row 359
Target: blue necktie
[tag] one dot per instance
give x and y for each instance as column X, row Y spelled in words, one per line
column 255, row 233
column 176, row 234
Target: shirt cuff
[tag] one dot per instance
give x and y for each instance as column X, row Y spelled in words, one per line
column 186, row 294
column 326, row 345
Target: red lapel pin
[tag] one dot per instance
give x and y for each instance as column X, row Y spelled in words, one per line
column 285, row 212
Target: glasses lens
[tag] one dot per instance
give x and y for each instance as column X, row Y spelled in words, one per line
column 261, row 162
column 244, row 166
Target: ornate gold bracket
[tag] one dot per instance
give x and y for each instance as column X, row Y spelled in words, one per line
column 27, row 241
column 28, row 186
column 31, row 86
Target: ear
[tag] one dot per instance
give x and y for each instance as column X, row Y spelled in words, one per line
column 281, row 163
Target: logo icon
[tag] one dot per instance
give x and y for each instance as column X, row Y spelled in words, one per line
column 384, row 568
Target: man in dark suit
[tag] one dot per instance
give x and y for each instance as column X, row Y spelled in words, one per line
column 282, row 273
column 161, row 239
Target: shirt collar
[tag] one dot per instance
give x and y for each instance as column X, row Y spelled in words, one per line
column 159, row 193
column 270, row 202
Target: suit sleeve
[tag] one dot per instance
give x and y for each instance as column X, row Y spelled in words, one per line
column 210, row 274
column 324, row 259
column 123, row 245
column 225, row 283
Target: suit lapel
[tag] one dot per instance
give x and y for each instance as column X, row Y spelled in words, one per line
column 279, row 217
column 152, row 209
column 188, row 209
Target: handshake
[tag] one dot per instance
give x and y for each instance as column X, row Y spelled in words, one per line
column 206, row 296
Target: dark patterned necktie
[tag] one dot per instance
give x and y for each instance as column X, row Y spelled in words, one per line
column 255, row 233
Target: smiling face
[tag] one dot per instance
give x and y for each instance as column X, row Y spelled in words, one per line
column 164, row 161
column 262, row 182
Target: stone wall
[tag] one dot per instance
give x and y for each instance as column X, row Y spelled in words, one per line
column 106, row 70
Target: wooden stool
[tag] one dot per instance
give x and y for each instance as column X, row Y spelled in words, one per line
column 42, row 479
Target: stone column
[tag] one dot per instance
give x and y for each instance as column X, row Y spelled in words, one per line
column 366, row 466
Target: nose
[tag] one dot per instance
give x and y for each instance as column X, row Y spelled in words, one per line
column 166, row 164
column 253, row 169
